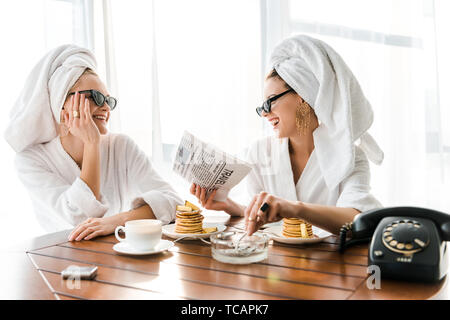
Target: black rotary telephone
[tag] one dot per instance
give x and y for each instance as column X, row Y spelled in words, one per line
column 407, row 242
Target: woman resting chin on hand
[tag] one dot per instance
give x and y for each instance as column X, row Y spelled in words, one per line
column 84, row 138
column 84, row 178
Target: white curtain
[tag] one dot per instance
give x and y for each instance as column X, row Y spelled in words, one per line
column 28, row 29
column 174, row 65
column 196, row 68
column 198, row 65
column 398, row 50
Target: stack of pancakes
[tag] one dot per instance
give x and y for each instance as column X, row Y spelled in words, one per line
column 188, row 219
column 296, row 228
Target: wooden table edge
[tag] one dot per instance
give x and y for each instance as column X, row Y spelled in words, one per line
column 61, row 237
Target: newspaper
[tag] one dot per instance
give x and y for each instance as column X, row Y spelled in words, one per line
column 208, row 167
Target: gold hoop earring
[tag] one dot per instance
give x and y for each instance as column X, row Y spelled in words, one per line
column 303, row 117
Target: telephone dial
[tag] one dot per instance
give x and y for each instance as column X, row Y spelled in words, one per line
column 406, row 242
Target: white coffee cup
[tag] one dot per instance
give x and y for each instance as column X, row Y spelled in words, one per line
column 142, row 234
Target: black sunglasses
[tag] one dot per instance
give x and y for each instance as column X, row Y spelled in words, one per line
column 268, row 103
column 99, row 98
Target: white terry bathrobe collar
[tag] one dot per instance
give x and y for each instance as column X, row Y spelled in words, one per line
column 320, row 76
column 274, row 161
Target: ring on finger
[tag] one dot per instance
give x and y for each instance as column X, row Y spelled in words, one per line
column 264, row 207
column 259, row 217
column 76, row 114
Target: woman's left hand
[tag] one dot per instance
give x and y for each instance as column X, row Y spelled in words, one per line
column 277, row 209
column 94, row 227
column 83, row 126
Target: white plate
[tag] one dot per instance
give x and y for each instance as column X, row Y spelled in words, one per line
column 218, row 217
column 169, row 230
column 276, row 234
column 125, row 248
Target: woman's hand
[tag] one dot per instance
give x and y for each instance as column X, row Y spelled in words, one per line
column 209, row 203
column 94, row 227
column 277, row 209
column 82, row 127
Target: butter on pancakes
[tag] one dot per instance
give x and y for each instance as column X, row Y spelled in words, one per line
column 297, row 228
column 189, row 220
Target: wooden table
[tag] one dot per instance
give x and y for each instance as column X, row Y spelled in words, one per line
column 188, row 271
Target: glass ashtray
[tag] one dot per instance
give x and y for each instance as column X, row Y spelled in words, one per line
column 227, row 248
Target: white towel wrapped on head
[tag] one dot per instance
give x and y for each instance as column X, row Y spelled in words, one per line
column 36, row 113
column 320, row 76
column 61, row 199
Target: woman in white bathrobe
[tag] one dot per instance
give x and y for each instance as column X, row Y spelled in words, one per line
column 79, row 175
column 311, row 168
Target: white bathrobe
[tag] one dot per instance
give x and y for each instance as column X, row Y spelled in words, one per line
column 62, row 200
column 272, row 173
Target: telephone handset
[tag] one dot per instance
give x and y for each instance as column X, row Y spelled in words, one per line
column 406, row 242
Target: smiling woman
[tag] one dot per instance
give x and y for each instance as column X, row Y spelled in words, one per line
column 309, row 170
column 77, row 173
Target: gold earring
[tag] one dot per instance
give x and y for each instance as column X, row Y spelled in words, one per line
column 303, row 117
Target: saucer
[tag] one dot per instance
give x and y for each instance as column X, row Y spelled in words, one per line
column 125, row 248
column 276, row 234
column 169, row 230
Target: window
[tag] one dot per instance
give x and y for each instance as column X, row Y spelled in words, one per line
column 198, row 65
column 183, row 69
column 397, row 51
column 42, row 26
column 171, row 70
